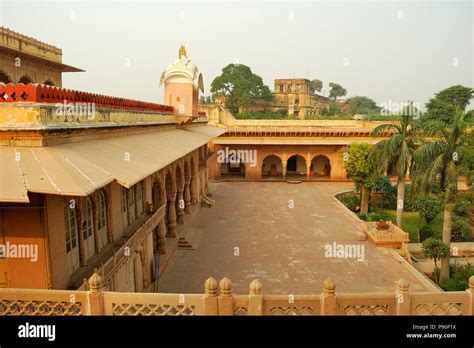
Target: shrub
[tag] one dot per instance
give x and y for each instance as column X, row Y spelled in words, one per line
column 427, row 206
column 462, row 204
column 435, row 249
column 363, row 217
column 351, row 202
column 425, row 232
column 461, row 230
column 459, row 280
column 378, row 216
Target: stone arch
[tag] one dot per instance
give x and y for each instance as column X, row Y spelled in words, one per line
column 296, row 165
column 25, row 79
column 4, row 77
column 232, row 165
column 272, row 167
column 320, row 166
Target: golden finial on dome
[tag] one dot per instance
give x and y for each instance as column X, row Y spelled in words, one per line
column 182, row 52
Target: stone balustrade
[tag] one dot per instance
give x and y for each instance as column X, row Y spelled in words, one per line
column 38, row 93
column 218, row 299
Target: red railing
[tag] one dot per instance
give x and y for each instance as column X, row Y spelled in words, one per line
column 38, row 93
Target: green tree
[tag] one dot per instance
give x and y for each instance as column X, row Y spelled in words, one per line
column 447, row 102
column 202, row 100
column 359, row 169
column 334, row 108
column 436, row 250
column 316, row 85
column 336, row 91
column 439, row 160
column 240, row 87
column 362, row 105
column 398, row 149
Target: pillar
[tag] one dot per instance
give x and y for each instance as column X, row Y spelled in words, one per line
column 171, row 233
column 402, row 298
column 210, row 297
column 161, row 234
column 194, row 188
column 255, row 298
column 187, row 197
column 225, row 302
column 180, row 208
column 328, row 298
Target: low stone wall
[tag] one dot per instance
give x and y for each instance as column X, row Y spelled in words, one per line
column 218, row 299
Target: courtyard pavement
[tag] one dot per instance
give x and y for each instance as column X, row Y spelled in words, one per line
column 252, row 232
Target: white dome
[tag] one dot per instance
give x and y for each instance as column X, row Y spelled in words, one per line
column 182, row 71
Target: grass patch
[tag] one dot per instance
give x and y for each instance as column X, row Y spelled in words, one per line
column 411, row 220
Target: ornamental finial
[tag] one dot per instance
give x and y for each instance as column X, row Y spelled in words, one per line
column 182, row 52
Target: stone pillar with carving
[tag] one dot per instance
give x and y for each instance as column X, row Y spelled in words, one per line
column 255, row 298
column 328, row 298
column 161, row 237
column 402, row 298
column 180, row 206
column 171, row 233
column 210, row 297
column 194, row 188
column 226, row 302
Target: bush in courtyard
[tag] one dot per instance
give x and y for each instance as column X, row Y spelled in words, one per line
column 459, row 280
column 436, row 250
column 461, row 230
column 377, row 216
column 427, row 206
column 425, row 232
column 363, row 217
column 351, row 202
column 463, row 202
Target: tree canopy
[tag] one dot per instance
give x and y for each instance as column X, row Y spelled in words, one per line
column 240, row 87
column 447, row 102
column 336, row 91
column 316, row 85
column 362, row 105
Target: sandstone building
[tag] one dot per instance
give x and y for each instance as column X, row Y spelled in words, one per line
column 296, row 96
column 26, row 60
column 92, row 182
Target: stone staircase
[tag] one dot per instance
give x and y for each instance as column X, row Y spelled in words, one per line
column 190, row 239
column 207, row 201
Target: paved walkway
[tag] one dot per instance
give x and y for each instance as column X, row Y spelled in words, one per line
column 252, row 232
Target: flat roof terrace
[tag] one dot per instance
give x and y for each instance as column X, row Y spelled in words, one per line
column 252, row 233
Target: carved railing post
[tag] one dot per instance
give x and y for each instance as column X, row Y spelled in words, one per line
column 402, row 298
column 194, row 188
column 187, row 197
column 470, row 291
column 161, row 230
column 226, row 302
column 210, row 297
column 180, row 207
column 255, row 298
column 328, row 298
column 171, row 233
column 95, row 294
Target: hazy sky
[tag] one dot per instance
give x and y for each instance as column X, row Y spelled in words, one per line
column 389, row 51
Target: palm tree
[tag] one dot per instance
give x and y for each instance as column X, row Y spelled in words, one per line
column 398, row 149
column 437, row 160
